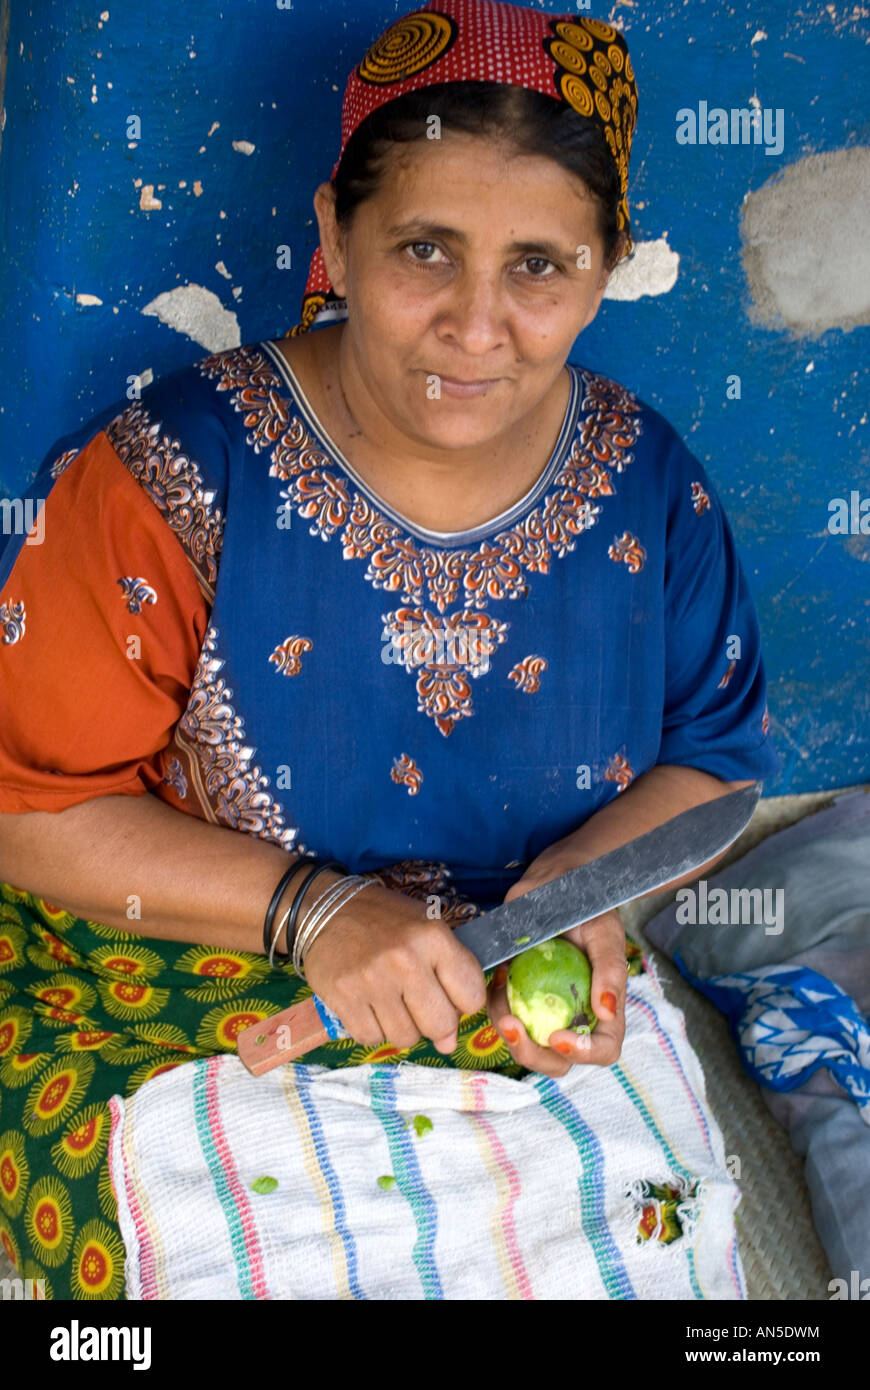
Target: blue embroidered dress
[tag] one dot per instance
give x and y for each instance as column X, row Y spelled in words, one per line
column 379, row 693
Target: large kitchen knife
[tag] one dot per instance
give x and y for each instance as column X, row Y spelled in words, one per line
column 670, row 851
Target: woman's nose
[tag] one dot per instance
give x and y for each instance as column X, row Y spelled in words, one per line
column 476, row 313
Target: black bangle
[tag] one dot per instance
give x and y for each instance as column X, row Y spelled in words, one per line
column 290, row 937
column 276, row 898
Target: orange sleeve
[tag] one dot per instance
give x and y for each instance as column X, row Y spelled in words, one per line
column 102, row 622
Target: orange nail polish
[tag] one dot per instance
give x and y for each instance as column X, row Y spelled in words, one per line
column 608, row 999
column 563, row 1047
column 510, row 1035
column 500, row 975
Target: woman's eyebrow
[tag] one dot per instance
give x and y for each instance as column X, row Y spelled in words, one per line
column 418, row 227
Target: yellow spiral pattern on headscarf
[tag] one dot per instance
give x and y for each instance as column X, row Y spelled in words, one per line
column 599, row 29
column 567, row 56
column 413, row 43
column 575, row 35
column 576, row 93
column 602, row 106
column 594, row 75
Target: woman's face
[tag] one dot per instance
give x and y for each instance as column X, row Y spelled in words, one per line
column 470, row 264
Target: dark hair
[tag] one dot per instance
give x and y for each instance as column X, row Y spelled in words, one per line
column 530, row 121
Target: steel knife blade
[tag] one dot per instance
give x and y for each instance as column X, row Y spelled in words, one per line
column 669, row 851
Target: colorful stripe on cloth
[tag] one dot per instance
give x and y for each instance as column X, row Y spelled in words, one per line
column 401, row 1181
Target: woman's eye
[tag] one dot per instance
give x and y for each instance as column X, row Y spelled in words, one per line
column 414, row 245
column 541, row 260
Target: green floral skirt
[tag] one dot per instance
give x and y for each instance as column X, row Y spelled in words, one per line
column 88, row 1012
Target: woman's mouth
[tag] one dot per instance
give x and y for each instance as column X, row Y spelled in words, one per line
column 466, row 388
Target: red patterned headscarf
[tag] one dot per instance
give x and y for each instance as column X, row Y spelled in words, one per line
column 582, row 62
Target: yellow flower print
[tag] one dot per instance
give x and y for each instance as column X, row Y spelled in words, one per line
column 97, row 1262
column 57, row 1092
column 83, row 1142
column 129, row 999
column 48, row 1220
column 14, row 1172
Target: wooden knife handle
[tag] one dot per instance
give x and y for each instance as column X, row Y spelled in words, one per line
column 288, row 1035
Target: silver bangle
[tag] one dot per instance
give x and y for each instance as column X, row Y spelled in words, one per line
column 303, row 927
column 349, row 889
column 326, row 900
column 316, row 930
column 281, row 925
column 312, row 915
column 318, row 927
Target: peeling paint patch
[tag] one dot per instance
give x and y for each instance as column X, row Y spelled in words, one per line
column 197, row 188
column 199, row 314
column 87, row 299
column 859, row 547
column 805, row 258
column 848, row 16
column 243, row 147
column 147, row 201
column 652, row 270
column 222, row 270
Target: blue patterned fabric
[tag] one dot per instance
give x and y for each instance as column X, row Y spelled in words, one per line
column 788, row 1022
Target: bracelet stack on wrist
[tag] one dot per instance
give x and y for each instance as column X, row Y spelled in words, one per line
column 300, row 935
column 270, row 933
column 321, row 911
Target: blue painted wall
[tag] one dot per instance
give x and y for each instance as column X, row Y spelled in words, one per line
column 72, row 224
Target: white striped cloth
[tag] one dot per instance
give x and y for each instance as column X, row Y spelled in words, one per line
column 521, row 1189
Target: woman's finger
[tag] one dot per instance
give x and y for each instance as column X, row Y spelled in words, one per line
column 496, row 997
column 362, row 1023
column 434, row 1015
column 399, row 1027
column 601, row 1047
column 603, row 940
column 527, row 1052
column 459, row 973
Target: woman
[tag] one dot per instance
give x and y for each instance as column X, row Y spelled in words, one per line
column 410, row 594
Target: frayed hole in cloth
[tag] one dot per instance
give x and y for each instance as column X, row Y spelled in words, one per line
column 662, row 1213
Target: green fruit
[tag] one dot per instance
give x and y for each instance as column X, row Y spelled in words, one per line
column 548, row 987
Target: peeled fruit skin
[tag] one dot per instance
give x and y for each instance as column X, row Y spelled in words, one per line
column 548, row 987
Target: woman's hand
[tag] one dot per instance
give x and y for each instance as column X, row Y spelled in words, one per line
column 603, row 940
column 393, row 974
